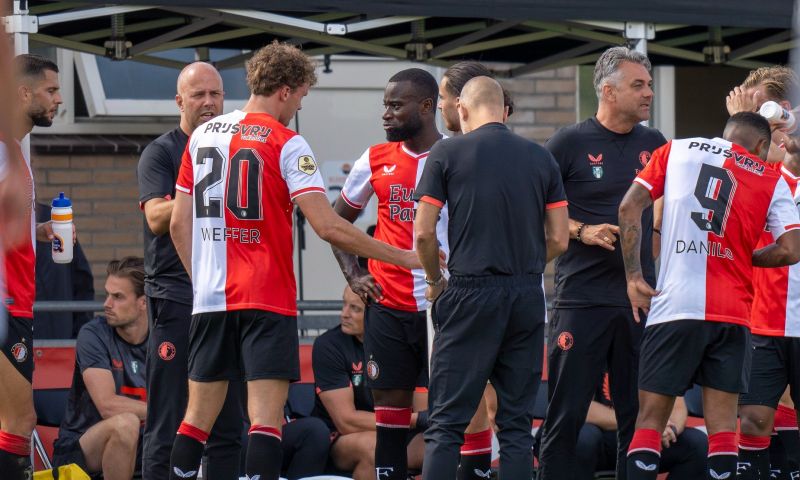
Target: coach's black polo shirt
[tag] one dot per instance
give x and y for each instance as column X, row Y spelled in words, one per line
column 158, row 168
column 497, row 186
column 597, row 167
column 338, row 362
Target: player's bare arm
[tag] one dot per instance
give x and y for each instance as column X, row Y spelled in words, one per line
column 360, row 280
column 785, row 251
column 158, row 211
column 180, row 229
column 630, row 221
column 603, row 235
column 340, row 405
column 100, row 384
column 428, row 248
column 339, row 232
column 556, row 231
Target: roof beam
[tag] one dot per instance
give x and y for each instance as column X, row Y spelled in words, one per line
column 53, row 7
column 701, row 37
column 501, row 42
column 378, row 23
column 754, row 48
column 192, row 27
column 547, row 62
column 129, row 28
column 75, row 15
column 405, row 37
column 210, row 38
column 472, row 37
column 100, row 51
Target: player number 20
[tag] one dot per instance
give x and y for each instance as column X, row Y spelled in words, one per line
column 243, row 192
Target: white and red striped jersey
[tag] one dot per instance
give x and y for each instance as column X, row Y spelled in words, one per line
column 776, row 305
column 717, row 199
column 243, row 170
column 391, row 172
column 19, row 290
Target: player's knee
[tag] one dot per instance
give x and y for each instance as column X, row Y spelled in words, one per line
column 126, row 429
column 755, row 422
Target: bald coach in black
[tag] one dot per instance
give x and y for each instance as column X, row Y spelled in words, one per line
column 507, row 219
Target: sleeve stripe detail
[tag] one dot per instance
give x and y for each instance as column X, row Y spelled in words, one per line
column 793, row 226
column 432, row 201
column 184, row 189
column 562, row 203
column 643, row 183
column 303, row 191
column 351, row 203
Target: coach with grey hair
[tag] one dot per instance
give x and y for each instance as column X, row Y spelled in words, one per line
column 592, row 325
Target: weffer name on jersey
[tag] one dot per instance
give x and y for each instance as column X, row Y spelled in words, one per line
column 253, row 133
column 715, row 249
column 742, row 161
column 397, row 196
column 220, row 234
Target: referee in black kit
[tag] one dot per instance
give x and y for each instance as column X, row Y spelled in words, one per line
column 508, row 217
column 592, row 325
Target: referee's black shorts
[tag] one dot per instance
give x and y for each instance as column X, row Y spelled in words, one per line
column 776, row 364
column 676, row 354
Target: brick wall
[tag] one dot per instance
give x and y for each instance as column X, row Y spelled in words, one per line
column 105, row 203
column 543, row 102
column 105, row 193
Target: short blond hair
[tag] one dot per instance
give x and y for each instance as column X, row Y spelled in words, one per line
column 276, row 65
column 778, row 81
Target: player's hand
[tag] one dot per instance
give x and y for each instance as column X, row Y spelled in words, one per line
column 603, row 235
column 669, row 436
column 433, row 291
column 738, row 101
column 44, row 232
column 366, row 287
column 640, row 293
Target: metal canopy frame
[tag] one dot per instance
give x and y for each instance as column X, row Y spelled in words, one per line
column 338, row 32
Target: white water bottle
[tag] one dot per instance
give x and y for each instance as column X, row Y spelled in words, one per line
column 61, row 216
column 778, row 117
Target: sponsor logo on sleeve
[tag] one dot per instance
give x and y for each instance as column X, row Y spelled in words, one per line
column 307, row 165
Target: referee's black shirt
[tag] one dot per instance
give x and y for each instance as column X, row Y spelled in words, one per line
column 497, row 186
column 597, row 167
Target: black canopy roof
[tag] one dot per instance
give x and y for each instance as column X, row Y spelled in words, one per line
column 530, row 34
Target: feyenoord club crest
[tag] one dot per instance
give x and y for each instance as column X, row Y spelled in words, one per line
column 372, row 369
column 597, row 172
column 20, row 352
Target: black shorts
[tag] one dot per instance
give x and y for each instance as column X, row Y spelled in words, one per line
column 396, row 348
column 776, row 364
column 68, row 450
column 243, row 344
column 676, row 354
column 19, row 345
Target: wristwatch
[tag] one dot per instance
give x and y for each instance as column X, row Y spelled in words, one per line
column 436, row 282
